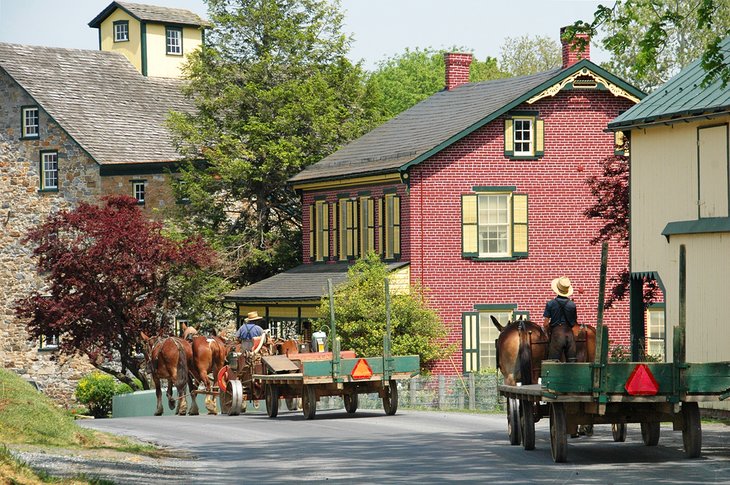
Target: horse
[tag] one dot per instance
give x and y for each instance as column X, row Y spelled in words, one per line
column 523, row 345
column 209, row 355
column 169, row 358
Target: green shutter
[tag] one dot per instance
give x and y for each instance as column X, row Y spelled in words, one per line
column 539, row 138
column 470, row 341
column 509, row 138
column 519, row 225
column 311, row 233
column 469, row 226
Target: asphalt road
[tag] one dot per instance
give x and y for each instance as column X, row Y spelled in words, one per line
column 412, row 446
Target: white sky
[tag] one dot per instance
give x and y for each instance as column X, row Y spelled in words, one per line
column 381, row 28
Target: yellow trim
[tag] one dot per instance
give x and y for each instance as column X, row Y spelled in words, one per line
column 337, row 184
column 555, row 88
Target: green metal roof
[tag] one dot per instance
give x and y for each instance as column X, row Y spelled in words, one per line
column 681, row 97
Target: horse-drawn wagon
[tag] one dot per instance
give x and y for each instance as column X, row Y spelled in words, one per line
column 275, row 370
column 618, row 393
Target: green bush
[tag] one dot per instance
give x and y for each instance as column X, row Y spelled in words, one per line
column 96, row 391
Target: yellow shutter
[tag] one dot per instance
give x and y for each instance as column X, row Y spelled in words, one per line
column 343, row 229
column 335, row 233
column 469, row 225
column 539, row 137
column 311, row 232
column 325, row 231
column 371, row 224
column 396, row 226
column 509, row 137
column 381, row 224
column 519, row 225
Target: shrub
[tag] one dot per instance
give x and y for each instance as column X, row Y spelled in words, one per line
column 96, row 391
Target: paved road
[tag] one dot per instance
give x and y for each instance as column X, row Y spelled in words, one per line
column 425, row 447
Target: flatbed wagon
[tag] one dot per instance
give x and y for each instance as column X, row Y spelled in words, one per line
column 310, row 376
column 618, row 393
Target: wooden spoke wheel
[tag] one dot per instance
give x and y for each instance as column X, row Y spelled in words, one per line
column 513, row 421
column 527, row 424
column 292, row 403
column 272, row 400
column 650, row 433
column 350, row 402
column 619, row 432
column 692, row 430
column 558, row 433
column 390, row 398
column 231, row 399
column 309, row 401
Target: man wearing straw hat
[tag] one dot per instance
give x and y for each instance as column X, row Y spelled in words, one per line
column 249, row 330
column 560, row 316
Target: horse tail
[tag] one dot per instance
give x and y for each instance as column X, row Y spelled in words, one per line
column 525, row 356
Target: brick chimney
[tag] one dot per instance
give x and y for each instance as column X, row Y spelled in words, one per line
column 571, row 56
column 457, row 69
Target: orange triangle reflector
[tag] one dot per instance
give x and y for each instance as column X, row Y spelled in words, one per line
column 362, row 370
column 641, row 382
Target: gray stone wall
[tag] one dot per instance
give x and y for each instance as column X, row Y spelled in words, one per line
column 159, row 197
column 22, row 206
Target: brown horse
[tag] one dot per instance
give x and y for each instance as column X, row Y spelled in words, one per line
column 209, row 355
column 168, row 358
column 523, row 345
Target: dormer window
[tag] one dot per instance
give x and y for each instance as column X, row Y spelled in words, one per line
column 121, row 31
column 29, row 121
column 174, row 40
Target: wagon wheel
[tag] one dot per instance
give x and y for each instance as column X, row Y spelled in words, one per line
column 513, row 421
column 390, row 398
column 350, row 402
column 292, row 403
column 232, row 398
column 527, row 424
column 558, row 434
column 619, row 432
column 650, row 433
column 272, row 400
column 692, row 430
column 309, row 401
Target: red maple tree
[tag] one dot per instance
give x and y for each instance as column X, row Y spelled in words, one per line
column 109, row 271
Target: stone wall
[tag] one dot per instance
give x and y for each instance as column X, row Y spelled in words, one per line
column 23, row 206
column 159, row 198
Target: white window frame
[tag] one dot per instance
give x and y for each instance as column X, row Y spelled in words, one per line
column 488, row 333
column 48, row 342
column 520, row 133
column 139, row 191
column 484, row 223
column 656, row 332
column 49, row 170
column 30, row 129
column 121, row 34
column 173, row 43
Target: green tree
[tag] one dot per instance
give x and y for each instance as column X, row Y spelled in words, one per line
column 274, row 92
column 406, row 79
column 652, row 40
column 521, row 56
column 360, row 315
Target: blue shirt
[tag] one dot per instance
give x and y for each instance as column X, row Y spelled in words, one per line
column 567, row 314
column 248, row 331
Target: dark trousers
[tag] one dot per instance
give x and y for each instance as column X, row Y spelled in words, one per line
column 561, row 340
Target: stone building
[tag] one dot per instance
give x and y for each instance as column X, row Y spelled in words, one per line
column 76, row 125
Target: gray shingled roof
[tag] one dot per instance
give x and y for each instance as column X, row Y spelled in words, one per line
column 422, row 127
column 680, row 97
column 110, row 109
column 305, row 282
column 151, row 13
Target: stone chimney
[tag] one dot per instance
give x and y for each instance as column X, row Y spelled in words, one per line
column 571, row 56
column 457, row 69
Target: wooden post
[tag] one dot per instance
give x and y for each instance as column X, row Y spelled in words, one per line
column 680, row 331
column 472, row 388
column 601, row 335
column 442, row 392
column 333, row 334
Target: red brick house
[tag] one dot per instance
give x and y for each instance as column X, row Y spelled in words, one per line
column 477, row 192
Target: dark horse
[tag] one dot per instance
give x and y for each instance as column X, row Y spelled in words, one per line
column 169, row 358
column 209, row 355
column 523, row 345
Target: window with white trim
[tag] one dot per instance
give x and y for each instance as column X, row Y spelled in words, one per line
column 173, row 42
column 30, row 121
column 138, row 189
column 49, row 170
column 494, row 217
column 523, row 136
column 494, row 223
column 121, row 31
column 655, row 332
column 488, row 333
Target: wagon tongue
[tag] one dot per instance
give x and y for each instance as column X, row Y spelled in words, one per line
column 641, row 382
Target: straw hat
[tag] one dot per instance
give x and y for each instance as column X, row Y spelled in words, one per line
column 253, row 316
column 562, row 286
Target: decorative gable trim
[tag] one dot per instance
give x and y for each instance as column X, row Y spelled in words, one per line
column 565, row 73
column 573, row 81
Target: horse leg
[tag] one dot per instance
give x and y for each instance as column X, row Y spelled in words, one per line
column 158, row 393
column 194, row 411
column 170, row 398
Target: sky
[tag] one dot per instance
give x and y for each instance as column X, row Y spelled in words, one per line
column 380, row 28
